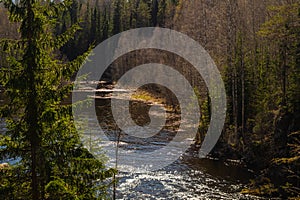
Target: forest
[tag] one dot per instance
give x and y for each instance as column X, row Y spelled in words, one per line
column 254, row 43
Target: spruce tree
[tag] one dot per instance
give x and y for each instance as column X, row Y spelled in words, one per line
column 116, row 20
column 51, row 162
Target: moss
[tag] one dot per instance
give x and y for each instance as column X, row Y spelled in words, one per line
column 143, row 95
column 266, row 189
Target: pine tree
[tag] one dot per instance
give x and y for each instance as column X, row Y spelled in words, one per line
column 52, row 163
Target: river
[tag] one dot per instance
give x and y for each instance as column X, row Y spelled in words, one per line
column 187, row 178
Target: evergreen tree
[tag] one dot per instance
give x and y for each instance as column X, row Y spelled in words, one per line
column 154, row 12
column 143, row 11
column 161, row 14
column 116, row 21
column 73, row 10
column 105, row 24
column 94, row 22
column 52, row 163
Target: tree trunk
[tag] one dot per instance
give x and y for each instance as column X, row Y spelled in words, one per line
column 31, row 109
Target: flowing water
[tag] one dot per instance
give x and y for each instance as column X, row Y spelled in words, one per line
column 187, row 178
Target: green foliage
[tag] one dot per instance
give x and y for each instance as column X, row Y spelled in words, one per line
column 277, row 104
column 282, row 31
column 290, row 166
column 58, row 189
column 205, row 118
column 262, row 78
column 41, row 133
column 262, row 84
column 143, row 17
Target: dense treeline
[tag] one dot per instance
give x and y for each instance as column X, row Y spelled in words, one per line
column 255, row 44
column 101, row 19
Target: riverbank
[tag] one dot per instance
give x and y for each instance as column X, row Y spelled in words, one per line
column 253, row 154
